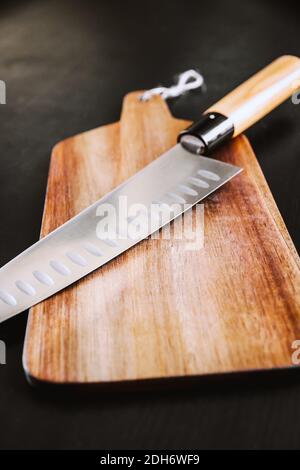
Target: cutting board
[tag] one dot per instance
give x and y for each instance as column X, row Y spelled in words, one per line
column 162, row 309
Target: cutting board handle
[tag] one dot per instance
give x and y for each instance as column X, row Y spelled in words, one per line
column 259, row 95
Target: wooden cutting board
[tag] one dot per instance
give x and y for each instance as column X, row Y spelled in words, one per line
column 161, row 309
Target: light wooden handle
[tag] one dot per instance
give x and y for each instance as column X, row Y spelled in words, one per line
column 260, row 94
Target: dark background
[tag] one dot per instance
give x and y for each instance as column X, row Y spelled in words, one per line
column 67, row 66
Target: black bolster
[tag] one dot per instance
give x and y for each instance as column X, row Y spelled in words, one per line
column 212, row 129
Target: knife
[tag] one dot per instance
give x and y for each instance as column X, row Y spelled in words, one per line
column 160, row 192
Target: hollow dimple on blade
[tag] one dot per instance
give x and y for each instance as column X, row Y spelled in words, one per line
column 78, row 247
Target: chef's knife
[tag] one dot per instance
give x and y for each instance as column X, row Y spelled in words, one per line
column 163, row 190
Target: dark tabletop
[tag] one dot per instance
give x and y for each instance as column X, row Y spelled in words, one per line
column 67, row 65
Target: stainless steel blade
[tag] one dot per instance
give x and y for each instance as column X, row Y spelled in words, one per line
column 80, row 246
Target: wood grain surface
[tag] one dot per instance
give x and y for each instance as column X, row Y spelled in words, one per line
column 162, row 309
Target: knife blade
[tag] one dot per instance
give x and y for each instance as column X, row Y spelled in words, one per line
column 154, row 196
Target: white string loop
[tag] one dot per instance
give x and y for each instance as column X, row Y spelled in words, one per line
column 189, row 80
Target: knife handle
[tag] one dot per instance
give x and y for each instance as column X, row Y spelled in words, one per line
column 248, row 103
